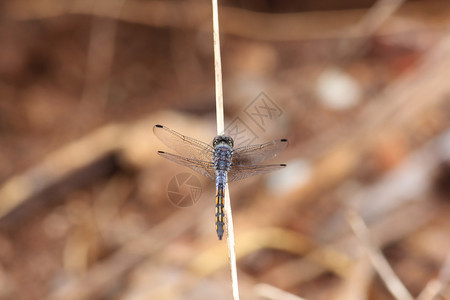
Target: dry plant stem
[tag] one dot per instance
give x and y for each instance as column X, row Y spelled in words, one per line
column 356, row 283
column 358, row 35
column 438, row 285
column 218, row 71
column 100, row 55
column 231, row 244
column 244, row 23
column 220, row 131
column 379, row 262
column 271, row 292
column 377, row 15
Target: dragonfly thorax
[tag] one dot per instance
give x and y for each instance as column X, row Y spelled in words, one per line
column 222, row 157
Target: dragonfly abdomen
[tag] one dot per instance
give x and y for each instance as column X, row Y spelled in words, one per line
column 219, row 211
column 222, row 163
column 220, row 194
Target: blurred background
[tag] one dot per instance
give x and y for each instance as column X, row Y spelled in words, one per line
column 360, row 88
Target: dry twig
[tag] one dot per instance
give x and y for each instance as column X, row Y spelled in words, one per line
column 100, row 55
column 357, row 283
column 379, row 262
column 372, row 21
column 437, row 286
column 271, row 292
column 244, row 23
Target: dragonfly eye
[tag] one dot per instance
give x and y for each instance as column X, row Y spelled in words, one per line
column 223, row 139
column 230, row 142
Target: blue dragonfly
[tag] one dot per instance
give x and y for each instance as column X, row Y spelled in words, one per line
column 220, row 162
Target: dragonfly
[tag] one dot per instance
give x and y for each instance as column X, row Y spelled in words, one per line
column 219, row 161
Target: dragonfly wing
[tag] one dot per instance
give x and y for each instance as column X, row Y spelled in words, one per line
column 184, row 145
column 202, row 167
column 241, row 172
column 255, row 154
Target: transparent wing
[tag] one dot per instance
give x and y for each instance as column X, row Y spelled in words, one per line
column 184, row 145
column 255, row 154
column 241, row 172
column 202, row 167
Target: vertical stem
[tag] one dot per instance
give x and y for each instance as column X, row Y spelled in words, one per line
column 231, row 245
column 220, row 131
column 218, row 71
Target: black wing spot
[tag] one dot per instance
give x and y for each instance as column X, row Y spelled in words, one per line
column 159, row 126
column 161, row 152
column 282, row 165
column 284, row 140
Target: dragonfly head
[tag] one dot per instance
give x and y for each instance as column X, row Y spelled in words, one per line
column 223, row 139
